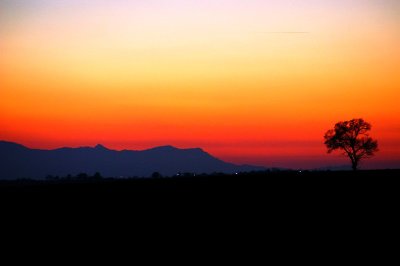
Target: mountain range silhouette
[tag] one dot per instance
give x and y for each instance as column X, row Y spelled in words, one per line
column 18, row 161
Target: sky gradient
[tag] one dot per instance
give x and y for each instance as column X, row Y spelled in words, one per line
column 256, row 82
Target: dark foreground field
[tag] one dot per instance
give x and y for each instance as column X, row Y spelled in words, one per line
column 262, row 185
column 286, row 205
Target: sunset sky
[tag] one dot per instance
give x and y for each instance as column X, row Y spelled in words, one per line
column 249, row 81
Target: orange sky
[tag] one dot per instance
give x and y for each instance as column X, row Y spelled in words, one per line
column 248, row 81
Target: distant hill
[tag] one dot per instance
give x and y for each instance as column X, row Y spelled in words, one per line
column 17, row 161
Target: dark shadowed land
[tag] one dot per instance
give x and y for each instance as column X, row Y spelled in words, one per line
column 288, row 206
column 265, row 184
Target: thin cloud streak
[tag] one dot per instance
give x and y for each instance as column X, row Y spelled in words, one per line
column 285, row 32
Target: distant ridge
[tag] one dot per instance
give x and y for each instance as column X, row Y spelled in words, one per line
column 18, row 161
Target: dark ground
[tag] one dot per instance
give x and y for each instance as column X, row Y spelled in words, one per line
column 280, row 185
column 274, row 211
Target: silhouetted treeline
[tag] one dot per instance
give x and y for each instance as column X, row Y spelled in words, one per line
column 215, row 178
column 81, row 176
column 156, row 175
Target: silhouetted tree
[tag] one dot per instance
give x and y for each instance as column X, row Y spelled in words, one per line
column 156, row 175
column 97, row 176
column 352, row 138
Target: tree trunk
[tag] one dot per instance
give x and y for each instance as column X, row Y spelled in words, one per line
column 354, row 166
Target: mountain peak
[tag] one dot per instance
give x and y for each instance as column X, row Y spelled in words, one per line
column 8, row 144
column 165, row 148
column 100, row 147
column 197, row 149
column 173, row 148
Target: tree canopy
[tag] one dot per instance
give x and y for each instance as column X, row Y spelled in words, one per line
column 353, row 139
